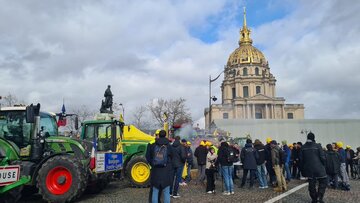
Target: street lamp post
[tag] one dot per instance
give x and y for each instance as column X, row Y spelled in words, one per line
column 232, row 71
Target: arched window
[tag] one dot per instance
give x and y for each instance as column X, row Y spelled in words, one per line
column 257, row 71
column 245, row 72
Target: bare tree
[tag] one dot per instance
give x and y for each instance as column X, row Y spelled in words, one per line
column 175, row 109
column 83, row 112
column 10, row 100
column 140, row 118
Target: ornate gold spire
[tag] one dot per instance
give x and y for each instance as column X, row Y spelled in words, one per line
column 245, row 33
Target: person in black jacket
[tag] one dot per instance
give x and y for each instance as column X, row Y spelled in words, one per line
column 200, row 154
column 268, row 163
column 227, row 168
column 260, row 162
column 350, row 154
column 160, row 177
column 178, row 162
column 332, row 166
column 248, row 157
column 312, row 164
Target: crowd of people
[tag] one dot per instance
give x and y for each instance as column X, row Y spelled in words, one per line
column 268, row 165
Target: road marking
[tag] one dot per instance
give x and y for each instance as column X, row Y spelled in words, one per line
column 286, row 193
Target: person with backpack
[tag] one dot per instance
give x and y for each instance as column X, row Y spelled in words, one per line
column 225, row 159
column 178, row 162
column 312, row 165
column 248, row 157
column 159, row 156
column 200, row 154
column 260, row 162
column 332, row 166
column 277, row 158
column 210, row 171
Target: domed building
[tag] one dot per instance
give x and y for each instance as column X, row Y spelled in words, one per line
column 248, row 89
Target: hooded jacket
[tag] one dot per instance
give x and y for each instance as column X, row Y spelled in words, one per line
column 200, row 154
column 160, row 177
column 179, row 156
column 223, row 154
column 312, row 160
column 287, row 154
column 248, row 157
column 260, row 148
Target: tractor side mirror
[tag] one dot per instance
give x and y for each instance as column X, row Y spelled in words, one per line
column 30, row 115
column 31, row 112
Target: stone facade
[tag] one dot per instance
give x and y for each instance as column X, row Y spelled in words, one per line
column 248, row 89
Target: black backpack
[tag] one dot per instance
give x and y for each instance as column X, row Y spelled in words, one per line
column 160, row 156
column 231, row 156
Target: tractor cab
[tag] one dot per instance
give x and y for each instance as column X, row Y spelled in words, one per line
column 100, row 138
column 15, row 129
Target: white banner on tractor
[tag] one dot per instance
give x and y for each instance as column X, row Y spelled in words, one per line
column 9, row 174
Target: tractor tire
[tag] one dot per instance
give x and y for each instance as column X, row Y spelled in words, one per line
column 11, row 196
column 61, row 179
column 138, row 172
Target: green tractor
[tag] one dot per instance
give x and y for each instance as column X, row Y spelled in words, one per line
column 59, row 167
column 132, row 144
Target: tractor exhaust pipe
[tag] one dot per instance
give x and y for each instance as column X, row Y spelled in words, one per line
column 37, row 144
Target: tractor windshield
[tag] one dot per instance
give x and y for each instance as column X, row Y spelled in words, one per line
column 13, row 127
column 103, row 136
column 48, row 124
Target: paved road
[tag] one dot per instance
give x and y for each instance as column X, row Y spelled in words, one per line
column 121, row 192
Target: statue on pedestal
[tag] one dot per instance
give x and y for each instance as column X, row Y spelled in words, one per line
column 106, row 106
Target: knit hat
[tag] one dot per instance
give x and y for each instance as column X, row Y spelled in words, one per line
column 273, row 142
column 284, row 142
column 339, row 144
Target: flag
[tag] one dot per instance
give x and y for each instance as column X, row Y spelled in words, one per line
column 62, row 117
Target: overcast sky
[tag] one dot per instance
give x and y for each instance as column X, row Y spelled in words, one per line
column 50, row 50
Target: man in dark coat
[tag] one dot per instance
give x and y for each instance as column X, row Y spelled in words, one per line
column 332, row 166
column 260, row 162
column 350, row 154
column 200, row 154
column 178, row 161
column 268, row 163
column 248, row 157
column 160, row 177
column 312, row 164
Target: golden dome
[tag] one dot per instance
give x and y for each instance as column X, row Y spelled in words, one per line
column 246, row 53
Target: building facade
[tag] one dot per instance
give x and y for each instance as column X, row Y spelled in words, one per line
column 248, row 88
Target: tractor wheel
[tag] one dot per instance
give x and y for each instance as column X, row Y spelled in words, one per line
column 138, row 172
column 61, row 179
column 12, row 196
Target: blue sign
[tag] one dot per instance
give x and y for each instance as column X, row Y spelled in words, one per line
column 113, row 161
